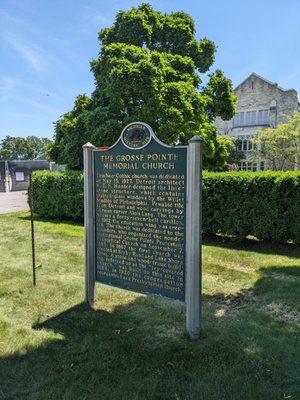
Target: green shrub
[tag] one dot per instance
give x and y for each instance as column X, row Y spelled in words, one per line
column 262, row 204
column 58, row 194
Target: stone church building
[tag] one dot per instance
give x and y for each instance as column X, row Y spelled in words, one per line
column 260, row 104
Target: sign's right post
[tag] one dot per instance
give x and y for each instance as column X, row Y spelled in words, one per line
column 193, row 238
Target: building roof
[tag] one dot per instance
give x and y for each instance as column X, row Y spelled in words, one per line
column 27, row 165
column 265, row 80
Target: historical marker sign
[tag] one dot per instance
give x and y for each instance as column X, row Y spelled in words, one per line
column 140, row 214
column 141, row 224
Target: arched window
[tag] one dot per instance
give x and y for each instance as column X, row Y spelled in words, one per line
column 273, row 105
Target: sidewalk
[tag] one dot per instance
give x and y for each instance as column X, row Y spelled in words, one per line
column 13, row 201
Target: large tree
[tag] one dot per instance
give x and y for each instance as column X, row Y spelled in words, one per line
column 280, row 146
column 149, row 69
column 23, row 148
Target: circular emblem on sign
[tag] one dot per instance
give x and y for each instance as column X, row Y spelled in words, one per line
column 136, row 135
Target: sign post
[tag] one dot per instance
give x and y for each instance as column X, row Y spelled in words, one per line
column 31, row 206
column 193, row 239
column 89, row 224
column 142, row 218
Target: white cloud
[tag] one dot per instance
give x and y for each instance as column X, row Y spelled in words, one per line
column 6, row 87
column 32, row 54
column 91, row 21
column 287, row 80
column 23, row 37
column 8, row 20
column 43, row 107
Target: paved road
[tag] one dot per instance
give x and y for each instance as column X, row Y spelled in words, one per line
column 13, row 201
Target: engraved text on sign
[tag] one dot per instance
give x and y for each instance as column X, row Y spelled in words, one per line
column 140, row 218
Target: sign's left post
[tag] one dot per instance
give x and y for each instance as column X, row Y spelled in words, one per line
column 89, row 224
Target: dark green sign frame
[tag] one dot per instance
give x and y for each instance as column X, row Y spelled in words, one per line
column 142, row 217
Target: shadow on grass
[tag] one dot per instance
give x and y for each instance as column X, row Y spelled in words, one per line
column 54, row 221
column 264, row 247
column 277, row 285
column 140, row 351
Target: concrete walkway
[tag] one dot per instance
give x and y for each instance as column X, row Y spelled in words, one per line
column 13, row 201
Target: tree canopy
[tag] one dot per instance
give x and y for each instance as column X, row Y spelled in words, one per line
column 280, row 146
column 149, row 69
column 23, row 148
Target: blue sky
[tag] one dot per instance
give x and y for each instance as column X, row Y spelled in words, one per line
column 46, row 46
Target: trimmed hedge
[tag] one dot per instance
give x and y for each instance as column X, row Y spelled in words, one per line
column 58, row 194
column 262, row 204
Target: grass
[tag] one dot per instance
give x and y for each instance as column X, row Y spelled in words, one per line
column 133, row 346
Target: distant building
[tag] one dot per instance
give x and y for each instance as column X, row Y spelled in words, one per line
column 2, row 176
column 260, row 104
column 20, row 170
column 14, row 175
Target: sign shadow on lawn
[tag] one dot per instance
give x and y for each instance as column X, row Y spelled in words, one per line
column 140, row 351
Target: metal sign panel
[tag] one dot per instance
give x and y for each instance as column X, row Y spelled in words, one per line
column 140, row 214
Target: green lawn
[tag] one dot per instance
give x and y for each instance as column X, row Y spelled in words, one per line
column 133, row 346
